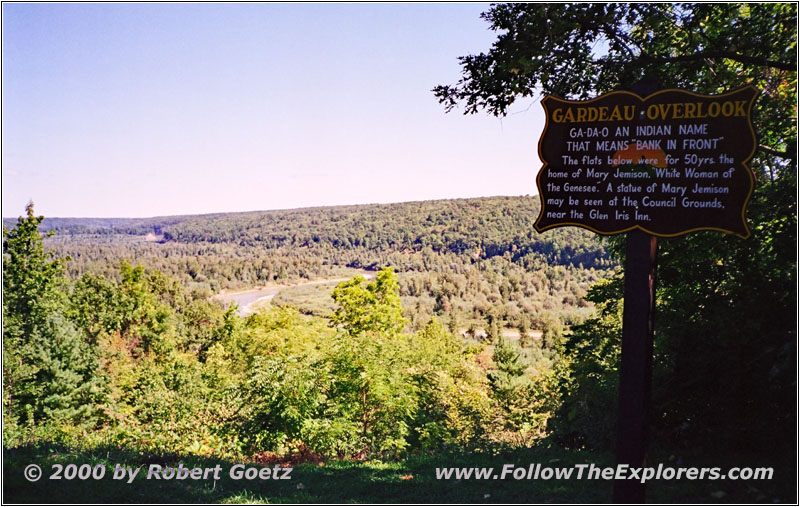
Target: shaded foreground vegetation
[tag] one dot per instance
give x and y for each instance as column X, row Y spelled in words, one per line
column 138, row 366
column 131, row 361
column 136, row 362
column 411, row 480
column 725, row 362
column 144, row 363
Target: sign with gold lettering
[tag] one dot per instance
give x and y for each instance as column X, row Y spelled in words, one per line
column 668, row 164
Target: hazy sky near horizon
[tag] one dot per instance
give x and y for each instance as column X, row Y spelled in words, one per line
column 137, row 110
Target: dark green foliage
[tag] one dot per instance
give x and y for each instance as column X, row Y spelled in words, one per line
column 492, row 328
column 589, row 373
column 733, row 317
column 524, row 400
column 32, row 278
column 510, row 370
column 49, row 371
column 552, row 48
column 66, row 386
column 725, row 351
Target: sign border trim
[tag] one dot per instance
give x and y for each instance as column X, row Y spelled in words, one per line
column 744, row 164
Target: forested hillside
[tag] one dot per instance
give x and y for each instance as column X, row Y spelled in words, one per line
column 136, row 361
column 469, row 261
column 479, row 228
column 454, row 343
column 405, row 338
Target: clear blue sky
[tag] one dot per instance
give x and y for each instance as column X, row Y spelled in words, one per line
column 135, row 110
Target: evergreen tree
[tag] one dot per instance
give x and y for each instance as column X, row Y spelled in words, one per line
column 492, row 329
column 522, row 327
column 30, row 291
column 49, row 371
column 511, row 387
column 32, row 279
column 66, row 387
column 510, row 367
column 453, row 324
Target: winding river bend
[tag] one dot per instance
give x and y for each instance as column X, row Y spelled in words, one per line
column 246, row 299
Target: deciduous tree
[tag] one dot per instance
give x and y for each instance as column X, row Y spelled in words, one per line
column 726, row 316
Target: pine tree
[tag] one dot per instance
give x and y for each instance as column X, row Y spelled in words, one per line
column 493, row 334
column 66, row 385
column 48, row 368
column 511, row 387
column 32, row 280
column 522, row 327
column 453, row 324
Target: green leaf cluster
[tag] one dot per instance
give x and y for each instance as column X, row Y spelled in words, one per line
column 725, row 337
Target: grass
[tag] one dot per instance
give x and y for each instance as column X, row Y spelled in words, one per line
column 412, row 480
column 309, row 299
column 409, row 481
column 313, row 298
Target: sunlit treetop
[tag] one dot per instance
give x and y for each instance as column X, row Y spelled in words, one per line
column 578, row 51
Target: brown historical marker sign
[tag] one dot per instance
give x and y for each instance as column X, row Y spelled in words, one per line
column 668, row 164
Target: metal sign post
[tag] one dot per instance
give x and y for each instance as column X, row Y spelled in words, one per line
column 636, row 358
column 636, row 365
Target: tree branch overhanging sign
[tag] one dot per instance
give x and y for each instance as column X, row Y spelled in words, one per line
column 668, row 164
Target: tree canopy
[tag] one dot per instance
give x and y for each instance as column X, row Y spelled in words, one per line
column 576, row 50
column 726, row 314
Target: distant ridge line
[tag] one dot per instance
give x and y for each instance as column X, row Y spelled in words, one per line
column 128, row 220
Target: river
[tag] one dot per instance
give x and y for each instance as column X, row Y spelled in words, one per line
column 246, row 299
